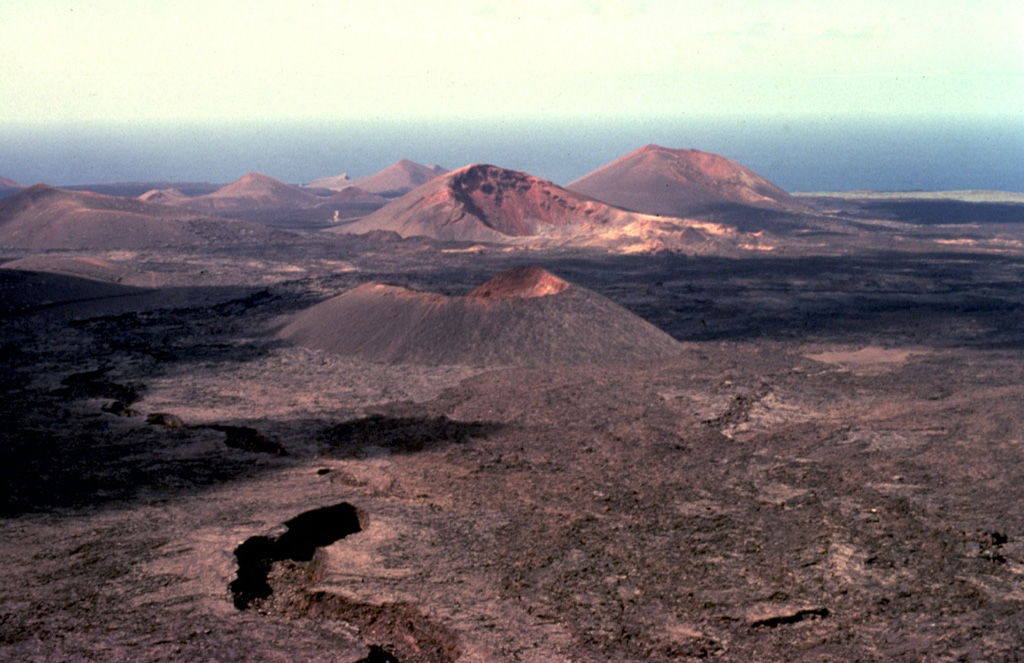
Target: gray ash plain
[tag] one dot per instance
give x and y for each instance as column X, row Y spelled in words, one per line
column 830, row 471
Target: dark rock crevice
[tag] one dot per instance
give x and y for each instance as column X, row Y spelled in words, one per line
column 306, row 532
column 247, row 438
column 275, row 574
column 378, row 655
column 95, row 384
column 791, row 618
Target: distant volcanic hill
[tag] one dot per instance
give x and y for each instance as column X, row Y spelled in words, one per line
column 9, row 184
column 679, row 183
column 486, row 203
column 525, row 317
column 254, row 191
column 337, row 182
column 395, row 180
column 44, row 217
column 354, row 194
column 257, row 197
column 164, row 197
column 482, row 203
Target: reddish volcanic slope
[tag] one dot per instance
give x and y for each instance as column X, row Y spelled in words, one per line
column 398, row 178
column 44, row 217
column 485, row 203
column 9, row 184
column 526, row 281
column 525, row 317
column 658, row 180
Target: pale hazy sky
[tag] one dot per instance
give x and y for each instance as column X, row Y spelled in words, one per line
column 62, row 60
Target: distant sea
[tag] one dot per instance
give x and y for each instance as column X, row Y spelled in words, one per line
column 798, row 155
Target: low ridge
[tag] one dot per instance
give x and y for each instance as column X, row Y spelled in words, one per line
column 44, row 217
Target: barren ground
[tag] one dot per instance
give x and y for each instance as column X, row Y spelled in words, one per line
column 831, row 472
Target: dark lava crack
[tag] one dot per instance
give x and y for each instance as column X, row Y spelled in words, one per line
column 378, row 655
column 306, row 532
column 793, row 618
column 394, row 631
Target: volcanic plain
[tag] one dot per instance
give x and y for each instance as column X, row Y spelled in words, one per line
column 795, row 434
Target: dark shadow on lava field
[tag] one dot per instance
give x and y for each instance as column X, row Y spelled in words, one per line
column 66, row 459
column 55, row 454
column 66, row 446
column 398, row 435
column 944, row 212
column 944, row 300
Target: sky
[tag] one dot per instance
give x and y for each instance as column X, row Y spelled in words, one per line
column 116, row 60
column 810, row 93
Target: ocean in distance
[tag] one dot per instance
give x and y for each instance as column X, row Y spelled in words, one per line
column 797, row 154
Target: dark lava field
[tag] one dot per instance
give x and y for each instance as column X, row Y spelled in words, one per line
column 831, row 468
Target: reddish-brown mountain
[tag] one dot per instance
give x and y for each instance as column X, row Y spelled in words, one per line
column 44, row 217
column 679, row 183
column 487, row 203
column 398, row 178
column 9, row 184
column 525, row 317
